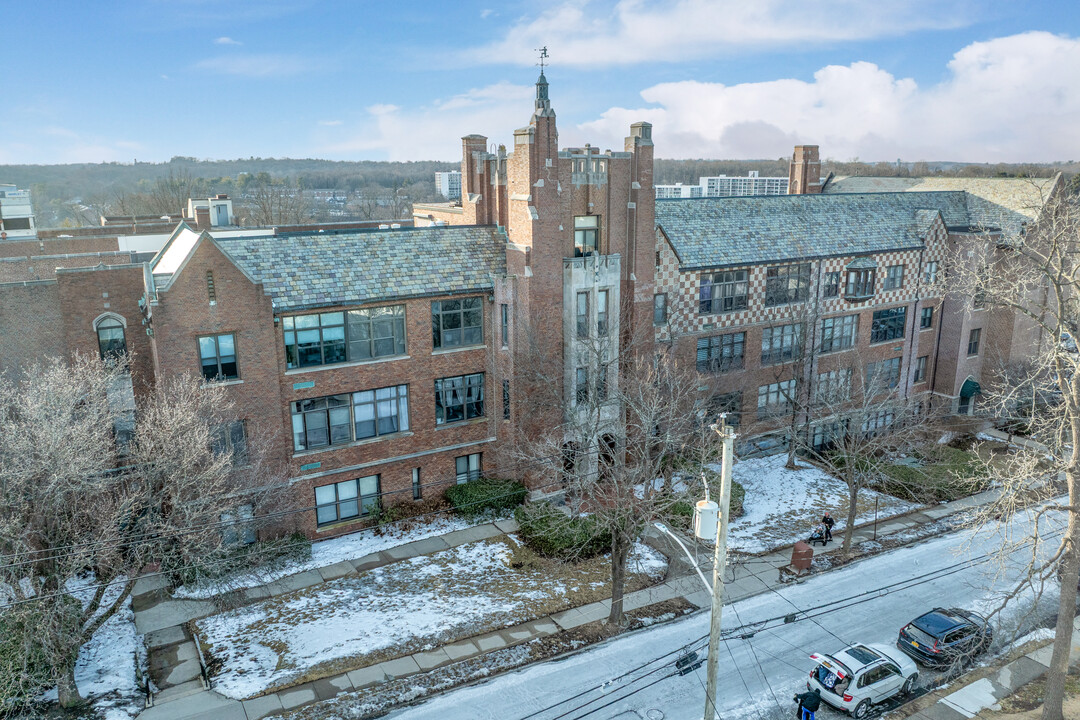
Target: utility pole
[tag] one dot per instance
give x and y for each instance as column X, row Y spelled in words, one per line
column 712, row 665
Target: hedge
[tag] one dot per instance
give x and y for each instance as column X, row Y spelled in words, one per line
column 478, row 496
column 549, row 532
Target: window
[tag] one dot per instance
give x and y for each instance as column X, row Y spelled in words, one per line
column 468, row 467
column 15, row 223
column 336, row 337
column 881, row 375
column 839, row 333
column 602, row 312
column 978, row 300
column 506, row 399
column 860, row 284
column 877, row 423
column 888, row 325
column 828, row 435
column 601, row 381
column 417, row 488
column 730, row 403
column 345, row 500
column 659, row 309
column 780, row 344
column 230, row 439
column 581, row 385
column 320, row 422
column 926, row 319
column 930, row 272
column 504, row 312
column 218, row 356
column 973, row 342
column 459, row 398
column 381, row 412
column 110, row 333
column 724, row 291
column 457, row 323
column 920, row 368
column 787, row 284
column 830, row 285
column 582, row 313
column 833, row 387
column 894, row 277
column 720, row 353
column 776, row 398
column 586, row 235
column 236, row 527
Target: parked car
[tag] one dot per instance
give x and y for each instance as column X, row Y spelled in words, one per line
column 942, row 637
column 861, row 676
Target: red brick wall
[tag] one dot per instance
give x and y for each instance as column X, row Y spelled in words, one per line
column 30, row 325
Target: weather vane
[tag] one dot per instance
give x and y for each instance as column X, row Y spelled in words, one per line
column 543, row 56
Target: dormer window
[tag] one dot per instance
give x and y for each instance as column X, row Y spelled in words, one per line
column 860, row 279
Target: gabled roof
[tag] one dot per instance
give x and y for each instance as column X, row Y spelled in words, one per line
column 729, row 231
column 322, row 269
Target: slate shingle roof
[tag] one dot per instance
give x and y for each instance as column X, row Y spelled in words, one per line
column 318, row 270
column 719, row 232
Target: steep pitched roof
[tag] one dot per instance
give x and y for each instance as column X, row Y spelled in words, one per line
column 322, row 269
column 722, row 232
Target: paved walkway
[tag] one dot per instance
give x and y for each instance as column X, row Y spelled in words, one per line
column 184, row 696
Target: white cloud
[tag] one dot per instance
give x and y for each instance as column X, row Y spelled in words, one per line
column 1009, row 99
column 579, row 32
column 329, row 123
column 265, row 65
column 225, row 40
column 433, row 132
column 486, row 13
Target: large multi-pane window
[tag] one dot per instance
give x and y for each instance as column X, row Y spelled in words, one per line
column 780, row 344
column 381, row 412
column 110, row 333
column 894, row 277
column 877, row 423
column 724, row 291
column 341, row 419
column 347, row 499
column 468, row 467
column 720, row 353
column 973, row 341
column 830, row 285
column 730, row 403
column 787, row 284
column 230, row 439
column 839, row 333
column 586, row 235
column 459, row 398
column 827, row 435
column 457, row 323
column 888, row 324
column 860, row 284
column 833, row 387
column 926, row 320
column 883, row 374
column 217, row 355
column 334, row 337
column 581, row 313
column 930, row 272
column 920, row 368
column 775, row 398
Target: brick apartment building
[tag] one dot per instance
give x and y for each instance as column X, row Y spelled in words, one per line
column 382, row 362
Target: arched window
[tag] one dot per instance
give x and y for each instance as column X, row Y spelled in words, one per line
column 110, row 332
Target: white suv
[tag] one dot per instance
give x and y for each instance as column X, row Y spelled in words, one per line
column 862, row 675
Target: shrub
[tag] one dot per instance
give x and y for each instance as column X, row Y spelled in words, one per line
column 478, row 496
column 944, row 473
column 231, row 558
column 549, row 532
column 25, row 671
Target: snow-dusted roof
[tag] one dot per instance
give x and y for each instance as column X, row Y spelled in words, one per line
column 172, row 256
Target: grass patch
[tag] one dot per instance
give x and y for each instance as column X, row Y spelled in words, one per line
column 554, row 534
column 942, row 473
column 477, row 497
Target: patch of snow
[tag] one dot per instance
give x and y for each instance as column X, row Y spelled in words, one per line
column 782, row 505
column 327, row 552
column 947, row 437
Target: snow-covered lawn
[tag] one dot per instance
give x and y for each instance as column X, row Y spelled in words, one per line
column 783, row 506
column 402, row 608
column 328, row 552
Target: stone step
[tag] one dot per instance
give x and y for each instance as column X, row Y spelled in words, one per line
column 180, row 691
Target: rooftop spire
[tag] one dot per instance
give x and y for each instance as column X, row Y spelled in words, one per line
column 543, row 102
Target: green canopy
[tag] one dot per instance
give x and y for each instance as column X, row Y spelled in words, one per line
column 970, row 388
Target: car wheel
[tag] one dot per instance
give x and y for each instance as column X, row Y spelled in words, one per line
column 909, row 684
column 861, row 710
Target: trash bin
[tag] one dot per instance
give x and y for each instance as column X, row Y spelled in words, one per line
column 802, row 555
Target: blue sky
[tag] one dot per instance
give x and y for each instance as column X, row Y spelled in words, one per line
column 873, row 79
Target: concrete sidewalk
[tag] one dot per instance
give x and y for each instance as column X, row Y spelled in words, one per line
column 188, row 699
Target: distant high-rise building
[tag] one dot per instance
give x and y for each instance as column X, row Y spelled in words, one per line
column 449, row 184
column 16, row 214
column 724, row 186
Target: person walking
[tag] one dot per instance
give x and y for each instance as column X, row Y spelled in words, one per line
column 828, row 522
column 809, row 702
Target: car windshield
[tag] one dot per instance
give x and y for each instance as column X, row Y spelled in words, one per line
column 863, row 654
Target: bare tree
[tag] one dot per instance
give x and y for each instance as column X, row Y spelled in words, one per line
column 1029, row 273
column 612, row 430
column 87, row 501
column 276, row 202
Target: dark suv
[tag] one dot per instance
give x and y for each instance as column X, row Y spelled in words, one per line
column 941, row 636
